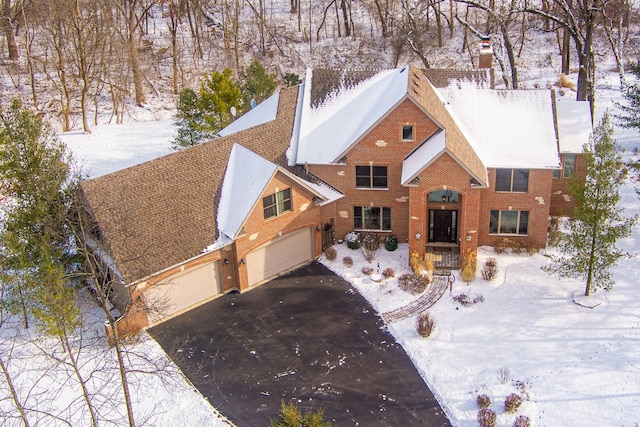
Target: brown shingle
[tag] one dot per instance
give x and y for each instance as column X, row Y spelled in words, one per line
column 159, row 213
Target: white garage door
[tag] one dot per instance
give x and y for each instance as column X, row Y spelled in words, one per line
column 279, row 256
column 186, row 289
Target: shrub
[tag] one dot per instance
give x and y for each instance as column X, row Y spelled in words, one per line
column 563, row 81
column 367, row 270
column 489, row 269
column 353, row 240
column 412, row 283
column 521, row 421
column 391, row 243
column 466, row 301
column 291, row 416
column 483, row 401
column 512, row 402
column 347, row 261
column 388, row 272
column 425, row 324
column 501, row 246
column 421, row 266
column 503, row 375
column 468, row 265
column 486, row 417
column 330, row 253
column 370, row 246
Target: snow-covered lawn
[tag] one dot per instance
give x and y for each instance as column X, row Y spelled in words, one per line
column 576, row 366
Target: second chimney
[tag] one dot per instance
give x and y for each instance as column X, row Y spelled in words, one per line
column 486, row 53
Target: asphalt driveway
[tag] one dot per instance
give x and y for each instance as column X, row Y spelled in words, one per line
column 306, row 336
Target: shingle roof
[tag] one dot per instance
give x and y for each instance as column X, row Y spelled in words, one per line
column 159, row 213
column 440, row 77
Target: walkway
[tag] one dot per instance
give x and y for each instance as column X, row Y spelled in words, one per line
column 430, row 297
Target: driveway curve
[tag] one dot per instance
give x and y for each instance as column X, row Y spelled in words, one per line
column 309, row 337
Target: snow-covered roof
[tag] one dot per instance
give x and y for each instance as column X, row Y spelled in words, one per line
column 417, row 161
column 574, row 125
column 507, row 128
column 336, row 119
column 262, row 113
column 245, row 179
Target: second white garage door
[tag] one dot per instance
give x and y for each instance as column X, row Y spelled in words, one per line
column 186, row 289
column 280, row 255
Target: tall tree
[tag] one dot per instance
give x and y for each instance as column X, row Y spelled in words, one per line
column 630, row 117
column 256, row 83
column 587, row 249
column 219, row 94
column 189, row 121
column 7, row 21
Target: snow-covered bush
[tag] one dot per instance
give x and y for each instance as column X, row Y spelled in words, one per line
column 489, row 269
column 466, row 301
column 347, row 261
column 512, row 402
column 425, row 324
column 367, row 270
column 468, row 265
column 486, row 418
column 413, row 283
column 521, row 421
column 353, row 240
column 483, row 401
column 388, row 272
column 370, row 245
column 330, row 253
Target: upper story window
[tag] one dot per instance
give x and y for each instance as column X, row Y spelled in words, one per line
column 568, row 166
column 407, row 132
column 276, row 204
column 513, row 180
column 371, row 176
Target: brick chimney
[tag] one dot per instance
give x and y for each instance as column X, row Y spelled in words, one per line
column 486, row 53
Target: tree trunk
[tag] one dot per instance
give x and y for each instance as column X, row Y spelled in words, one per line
column 383, row 18
column 7, row 29
column 14, row 393
column 566, row 52
column 83, row 384
column 512, row 59
column 346, row 17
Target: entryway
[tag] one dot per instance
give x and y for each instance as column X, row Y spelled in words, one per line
column 443, row 226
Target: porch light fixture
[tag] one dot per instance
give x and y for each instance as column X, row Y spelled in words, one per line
column 317, row 228
column 468, row 237
column 444, row 198
column 241, row 260
column 418, row 236
column 226, row 260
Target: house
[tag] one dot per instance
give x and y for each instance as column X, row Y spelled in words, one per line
column 437, row 158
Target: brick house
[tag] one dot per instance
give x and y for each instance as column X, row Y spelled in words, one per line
column 437, row 158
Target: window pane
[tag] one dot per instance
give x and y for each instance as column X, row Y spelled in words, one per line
column 569, row 165
column 379, row 177
column 284, row 200
column 357, row 217
column 520, row 180
column 270, row 212
column 493, row 222
column 363, row 177
column 556, row 173
column 386, row 218
column 508, row 222
column 503, row 179
column 371, row 218
column 269, row 206
column 524, row 223
column 407, row 132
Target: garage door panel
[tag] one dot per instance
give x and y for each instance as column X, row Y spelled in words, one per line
column 280, row 255
column 184, row 290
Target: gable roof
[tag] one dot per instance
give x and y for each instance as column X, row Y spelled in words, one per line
column 507, row 128
column 157, row 214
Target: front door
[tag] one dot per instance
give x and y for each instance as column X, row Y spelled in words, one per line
column 443, row 226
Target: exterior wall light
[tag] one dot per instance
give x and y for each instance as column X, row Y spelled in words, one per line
column 226, row 260
column 317, row 228
column 241, row 260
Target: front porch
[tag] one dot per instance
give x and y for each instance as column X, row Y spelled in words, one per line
column 444, row 256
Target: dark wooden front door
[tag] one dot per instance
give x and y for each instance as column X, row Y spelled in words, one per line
column 443, row 226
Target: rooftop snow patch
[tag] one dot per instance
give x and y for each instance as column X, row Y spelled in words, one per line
column 332, row 122
column 507, row 128
column 245, row 179
column 574, row 125
column 264, row 112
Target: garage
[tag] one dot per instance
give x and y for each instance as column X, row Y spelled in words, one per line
column 186, row 289
column 280, row 255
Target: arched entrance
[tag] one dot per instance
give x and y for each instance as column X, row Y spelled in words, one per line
column 443, row 227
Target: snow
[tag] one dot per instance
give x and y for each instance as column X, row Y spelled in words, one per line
column 246, row 177
column 423, row 156
column 507, row 129
column 574, row 125
column 328, row 130
column 264, row 112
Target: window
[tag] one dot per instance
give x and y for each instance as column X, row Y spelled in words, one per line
column 509, row 222
column 371, row 176
column 407, row 132
column 568, row 166
column 513, row 180
column 276, row 204
column 371, row 218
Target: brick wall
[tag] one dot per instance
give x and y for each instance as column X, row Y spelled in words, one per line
column 562, row 204
column 381, row 146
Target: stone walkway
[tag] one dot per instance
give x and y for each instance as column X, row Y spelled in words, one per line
column 431, row 296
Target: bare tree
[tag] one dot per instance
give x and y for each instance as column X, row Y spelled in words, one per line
column 7, row 22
